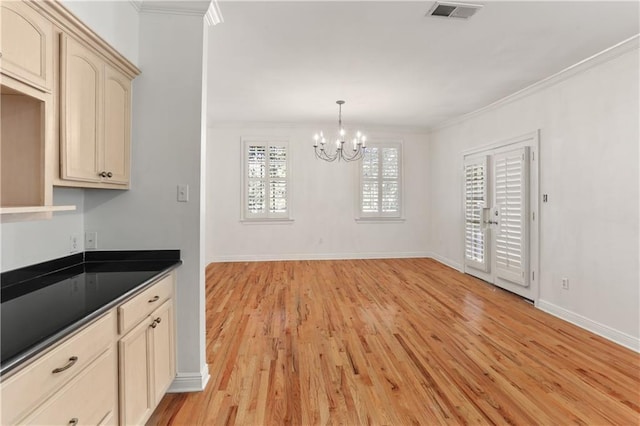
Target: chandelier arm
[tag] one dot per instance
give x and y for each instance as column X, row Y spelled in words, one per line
column 323, row 155
column 356, row 155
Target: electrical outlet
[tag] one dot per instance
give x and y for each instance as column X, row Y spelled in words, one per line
column 91, row 240
column 74, row 243
column 565, row 283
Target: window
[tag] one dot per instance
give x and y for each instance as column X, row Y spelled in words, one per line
column 266, row 180
column 381, row 181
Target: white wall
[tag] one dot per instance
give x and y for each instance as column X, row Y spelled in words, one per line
column 166, row 151
column 589, row 229
column 117, row 22
column 26, row 243
column 322, row 203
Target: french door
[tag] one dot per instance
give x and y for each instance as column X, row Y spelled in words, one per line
column 500, row 201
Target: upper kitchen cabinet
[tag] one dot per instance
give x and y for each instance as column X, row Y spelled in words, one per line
column 27, row 45
column 116, row 150
column 95, row 123
column 82, row 78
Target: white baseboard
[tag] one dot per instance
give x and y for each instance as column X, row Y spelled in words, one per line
column 452, row 264
column 190, row 382
column 605, row 331
column 317, row 256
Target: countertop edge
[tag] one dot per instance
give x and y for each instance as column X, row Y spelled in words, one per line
column 15, row 364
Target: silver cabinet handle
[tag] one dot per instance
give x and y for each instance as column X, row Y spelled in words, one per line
column 154, row 299
column 72, row 361
column 73, row 421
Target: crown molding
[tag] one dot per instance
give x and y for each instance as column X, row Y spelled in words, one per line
column 272, row 125
column 137, row 5
column 174, row 7
column 599, row 58
column 213, row 15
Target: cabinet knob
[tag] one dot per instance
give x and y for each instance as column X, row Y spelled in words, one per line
column 155, row 322
column 154, row 299
column 109, row 174
column 102, row 174
column 73, row 421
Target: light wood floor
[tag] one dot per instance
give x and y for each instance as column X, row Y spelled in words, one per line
column 402, row 341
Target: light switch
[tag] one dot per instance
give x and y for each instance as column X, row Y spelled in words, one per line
column 91, row 240
column 183, row 193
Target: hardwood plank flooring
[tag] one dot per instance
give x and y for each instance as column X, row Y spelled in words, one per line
column 394, row 342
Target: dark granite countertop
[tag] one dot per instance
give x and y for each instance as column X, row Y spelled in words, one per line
column 44, row 303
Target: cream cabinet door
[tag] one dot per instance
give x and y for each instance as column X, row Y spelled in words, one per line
column 80, row 111
column 26, row 45
column 136, row 392
column 117, row 134
column 163, row 350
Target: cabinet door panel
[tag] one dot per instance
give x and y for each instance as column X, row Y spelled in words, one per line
column 136, row 393
column 27, row 52
column 117, row 117
column 82, row 73
column 163, row 350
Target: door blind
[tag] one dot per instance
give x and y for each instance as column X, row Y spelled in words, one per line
column 511, row 195
column 475, row 201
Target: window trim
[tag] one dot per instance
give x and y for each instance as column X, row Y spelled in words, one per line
column 382, row 217
column 266, row 217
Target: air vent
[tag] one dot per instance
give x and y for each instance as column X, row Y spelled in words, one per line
column 453, row 10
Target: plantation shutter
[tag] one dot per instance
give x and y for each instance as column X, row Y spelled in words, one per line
column 380, row 180
column 476, row 238
column 256, row 191
column 511, row 175
column 266, row 180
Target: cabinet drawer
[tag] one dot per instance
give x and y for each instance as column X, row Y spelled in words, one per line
column 89, row 399
column 136, row 309
column 27, row 388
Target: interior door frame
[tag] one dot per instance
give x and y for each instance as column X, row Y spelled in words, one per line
column 531, row 139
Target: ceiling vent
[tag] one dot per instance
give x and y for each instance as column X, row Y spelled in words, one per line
column 453, row 10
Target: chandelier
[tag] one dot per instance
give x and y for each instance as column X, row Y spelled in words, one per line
column 352, row 151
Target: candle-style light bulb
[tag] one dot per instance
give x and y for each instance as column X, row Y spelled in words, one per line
column 364, row 141
column 323, row 141
column 342, row 132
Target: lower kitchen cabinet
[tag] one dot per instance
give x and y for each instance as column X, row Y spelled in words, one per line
column 147, row 365
column 87, row 400
column 115, row 370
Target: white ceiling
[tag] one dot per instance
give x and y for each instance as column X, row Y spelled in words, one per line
column 288, row 62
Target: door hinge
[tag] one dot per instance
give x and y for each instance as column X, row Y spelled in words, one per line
column 533, row 215
column 533, row 275
column 533, row 156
